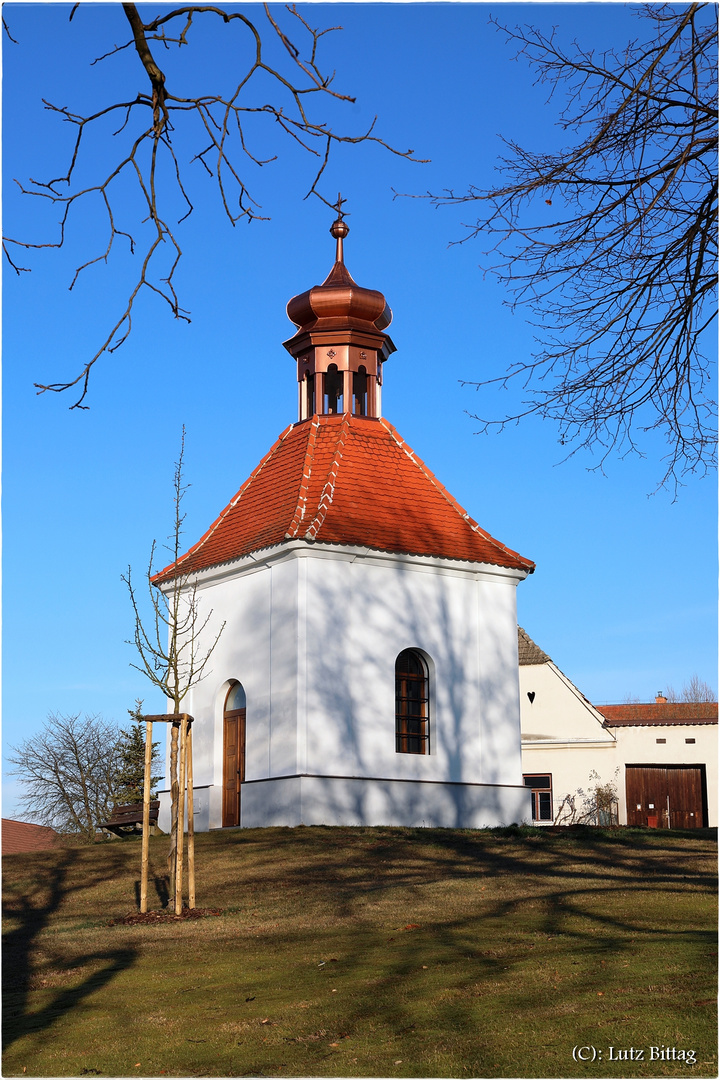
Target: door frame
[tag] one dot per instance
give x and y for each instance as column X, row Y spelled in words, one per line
column 640, row 817
column 231, row 806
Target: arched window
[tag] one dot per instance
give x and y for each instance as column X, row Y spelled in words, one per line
column 233, row 753
column 360, row 391
column 333, row 390
column 309, row 395
column 412, row 699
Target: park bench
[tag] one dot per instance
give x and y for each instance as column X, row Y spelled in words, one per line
column 128, row 818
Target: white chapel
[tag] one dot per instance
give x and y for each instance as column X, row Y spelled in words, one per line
column 367, row 673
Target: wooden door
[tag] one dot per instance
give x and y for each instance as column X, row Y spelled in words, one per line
column 685, row 797
column 666, row 796
column 233, row 764
column 646, row 795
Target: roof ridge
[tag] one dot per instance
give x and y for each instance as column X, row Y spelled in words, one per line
column 172, row 568
column 328, row 491
column 659, row 714
column 302, row 497
column 659, row 705
column 450, row 499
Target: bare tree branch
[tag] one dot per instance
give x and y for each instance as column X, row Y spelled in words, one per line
column 693, row 689
column 620, row 275
column 154, row 120
column 69, row 773
column 168, row 641
column 6, row 28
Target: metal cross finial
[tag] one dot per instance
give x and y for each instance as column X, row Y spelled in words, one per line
column 339, row 229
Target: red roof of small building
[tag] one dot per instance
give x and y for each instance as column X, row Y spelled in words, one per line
column 21, row 836
column 670, row 713
column 347, row 480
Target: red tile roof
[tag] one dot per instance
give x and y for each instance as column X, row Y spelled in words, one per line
column 671, row 713
column 345, row 480
column 20, row 836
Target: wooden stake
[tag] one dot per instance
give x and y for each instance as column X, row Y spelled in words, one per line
column 172, row 854
column 181, row 818
column 191, row 822
column 146, row 817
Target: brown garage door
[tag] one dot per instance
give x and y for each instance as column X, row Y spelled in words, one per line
column 666, row 796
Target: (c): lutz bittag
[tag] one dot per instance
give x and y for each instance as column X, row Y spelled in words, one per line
column 635, row 1053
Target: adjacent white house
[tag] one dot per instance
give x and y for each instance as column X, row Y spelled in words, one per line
column 660, row 757
column 669, row 762
column 566, row 747
column 367, row 671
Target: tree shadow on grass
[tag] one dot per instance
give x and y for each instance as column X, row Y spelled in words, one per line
column 523, row 898
column 602, row 902
column 30, row 912
column 365, row 861
column 162, row 890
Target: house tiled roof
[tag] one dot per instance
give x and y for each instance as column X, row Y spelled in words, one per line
column 21, row 836
column 347, row 480
column 528, row 651
column 669, row 713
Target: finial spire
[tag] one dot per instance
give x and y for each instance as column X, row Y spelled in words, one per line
column 339, row 230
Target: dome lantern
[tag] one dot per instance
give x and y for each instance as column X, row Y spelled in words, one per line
column 339, row 345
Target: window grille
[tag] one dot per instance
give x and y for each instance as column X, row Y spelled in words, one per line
column 412, row 701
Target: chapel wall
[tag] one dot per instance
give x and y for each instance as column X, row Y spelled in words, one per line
column 360, row 614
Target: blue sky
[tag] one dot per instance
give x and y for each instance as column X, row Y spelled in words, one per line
column 623, row 597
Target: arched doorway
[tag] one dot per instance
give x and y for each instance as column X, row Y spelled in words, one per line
column 233, row 753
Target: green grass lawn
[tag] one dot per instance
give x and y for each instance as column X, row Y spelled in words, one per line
column 370, row 952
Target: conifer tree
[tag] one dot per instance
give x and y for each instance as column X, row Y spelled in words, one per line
column 131, row 775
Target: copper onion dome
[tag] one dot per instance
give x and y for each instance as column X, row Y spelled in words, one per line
column 339, row 301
